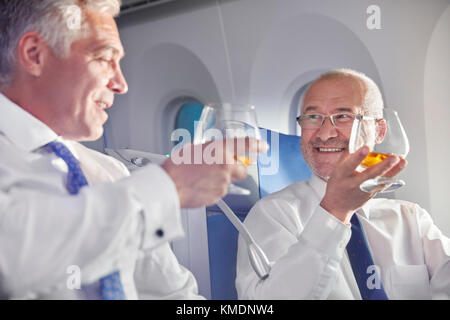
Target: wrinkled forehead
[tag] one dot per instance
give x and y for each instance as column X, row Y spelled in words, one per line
column 330, row 94
column 102, row 30
column 101, row 22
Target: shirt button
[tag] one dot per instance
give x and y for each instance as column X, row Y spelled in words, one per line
column 160, row 233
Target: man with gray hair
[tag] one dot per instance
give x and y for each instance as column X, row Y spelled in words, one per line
column 73, row 222
column 327, row 238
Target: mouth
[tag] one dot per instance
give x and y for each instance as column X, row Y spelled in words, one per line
column 103, row 105
column 328, row 149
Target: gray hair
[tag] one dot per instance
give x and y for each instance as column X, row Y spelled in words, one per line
column 373, row 100
column 59, row 22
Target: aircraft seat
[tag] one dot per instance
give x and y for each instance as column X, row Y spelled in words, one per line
column 282, row 166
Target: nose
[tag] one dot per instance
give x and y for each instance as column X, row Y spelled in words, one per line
column 117, row 83
column 327, row 130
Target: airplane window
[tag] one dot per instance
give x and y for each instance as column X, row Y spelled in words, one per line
column 187, row 115
column 295, row 110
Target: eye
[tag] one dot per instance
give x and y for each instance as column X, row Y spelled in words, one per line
column 104, row 59
column 104, row 56
column 344, row 117
column 313, row 116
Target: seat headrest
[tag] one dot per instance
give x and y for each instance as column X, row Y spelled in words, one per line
column 280, row 167
column 283, row 164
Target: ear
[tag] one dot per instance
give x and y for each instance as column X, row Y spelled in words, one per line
column 381, row 128
column 32, row 52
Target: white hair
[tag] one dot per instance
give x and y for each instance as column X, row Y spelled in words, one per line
column 59, row 22
column 373, row 100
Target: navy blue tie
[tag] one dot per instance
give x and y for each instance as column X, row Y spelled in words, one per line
column 111, row 287
column 364, row 269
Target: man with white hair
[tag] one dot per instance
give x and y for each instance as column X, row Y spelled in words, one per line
column 327, row 239
column 73, row 223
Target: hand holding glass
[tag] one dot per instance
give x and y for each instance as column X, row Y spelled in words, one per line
column 384, row 136
column 230, row 121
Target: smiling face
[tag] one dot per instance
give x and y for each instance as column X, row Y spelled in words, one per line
column 79, row 88
column 323, row 147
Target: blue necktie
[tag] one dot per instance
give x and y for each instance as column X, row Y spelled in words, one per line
column 111, row 287
column 366, row 275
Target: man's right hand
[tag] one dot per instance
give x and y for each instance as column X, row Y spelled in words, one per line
column 204, row 184
column 343, row 195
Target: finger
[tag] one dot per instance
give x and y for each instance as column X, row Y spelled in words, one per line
column 380, row 168
column 353, row 160
column 210, row 196
column 396, row 169
column 246, row 145
column 237, row 172
column 255, row 145
column 261, row 146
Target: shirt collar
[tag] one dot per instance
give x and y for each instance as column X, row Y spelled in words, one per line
column 23, row 129
column 320, row 186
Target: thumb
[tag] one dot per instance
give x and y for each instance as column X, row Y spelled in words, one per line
column 353, row 160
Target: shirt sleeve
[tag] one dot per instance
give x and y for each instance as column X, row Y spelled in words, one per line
column 305, row 256
column 436, row 248
column 43, row 233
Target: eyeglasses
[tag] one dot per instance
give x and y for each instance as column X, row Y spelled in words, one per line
column 339, row 120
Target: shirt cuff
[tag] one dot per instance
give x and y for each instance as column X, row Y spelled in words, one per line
column 326, row 234
column 156, row 192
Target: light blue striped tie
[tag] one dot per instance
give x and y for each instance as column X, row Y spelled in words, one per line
column 111, row 286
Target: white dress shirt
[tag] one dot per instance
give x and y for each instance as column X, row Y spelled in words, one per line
column 308, row 247
column 125, row 225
